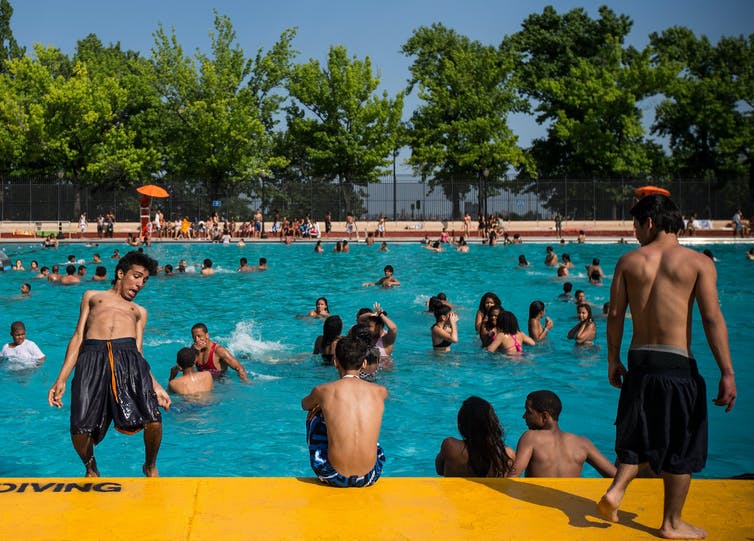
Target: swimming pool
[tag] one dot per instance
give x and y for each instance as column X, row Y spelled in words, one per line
column 258, row 429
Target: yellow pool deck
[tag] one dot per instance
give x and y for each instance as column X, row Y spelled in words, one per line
column 227, row 509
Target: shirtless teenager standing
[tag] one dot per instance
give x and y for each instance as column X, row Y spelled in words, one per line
column 112, row 381
column 546, row 451
column 343, row 425
column 662, row 411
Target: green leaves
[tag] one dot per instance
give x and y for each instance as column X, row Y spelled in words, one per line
column 348, row 129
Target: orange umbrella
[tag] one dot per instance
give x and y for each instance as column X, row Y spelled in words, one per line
column 152, row 190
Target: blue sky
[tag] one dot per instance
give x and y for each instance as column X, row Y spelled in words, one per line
column 374, row 28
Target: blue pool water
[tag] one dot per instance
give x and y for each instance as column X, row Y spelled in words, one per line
column 258, row 429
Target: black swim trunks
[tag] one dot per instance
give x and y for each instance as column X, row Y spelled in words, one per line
column 662, row 412
column 112, row 382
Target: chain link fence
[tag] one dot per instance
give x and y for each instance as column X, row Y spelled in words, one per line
column 404, row 197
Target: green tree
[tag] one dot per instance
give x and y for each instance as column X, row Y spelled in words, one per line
column 348, row 130
column 586, row 86
column 459, row 136
column 219, row 110
column 708, row 110
column 73, row 123
column 9, row 48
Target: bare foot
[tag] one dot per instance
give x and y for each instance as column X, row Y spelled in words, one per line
column 682, row 530
column 150, row 471
column 91, row 468
column 607, row 509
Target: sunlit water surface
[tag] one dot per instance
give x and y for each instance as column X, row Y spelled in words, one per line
column 257, row 429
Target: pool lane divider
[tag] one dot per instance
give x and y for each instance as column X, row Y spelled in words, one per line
column 243, row 508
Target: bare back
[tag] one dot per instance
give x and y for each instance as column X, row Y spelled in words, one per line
column 353, row 410
column 192, row 383
column 554, row 453
column 659, row 282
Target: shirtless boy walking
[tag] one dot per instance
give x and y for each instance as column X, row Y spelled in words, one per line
column 344, row 421
column 546, row 451
column 112, row 381
column 662, row 411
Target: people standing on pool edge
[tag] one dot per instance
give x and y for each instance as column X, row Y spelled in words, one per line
column 213, row 357
column 340, row 410
column 482, row 451
column 546, row 451
column 662, row 411
column 112, row 380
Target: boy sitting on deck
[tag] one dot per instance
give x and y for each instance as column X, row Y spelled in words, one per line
column 344, row 422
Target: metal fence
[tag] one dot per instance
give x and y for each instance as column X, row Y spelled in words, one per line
column 404, row 197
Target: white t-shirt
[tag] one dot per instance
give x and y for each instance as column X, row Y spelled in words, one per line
column 26, row 352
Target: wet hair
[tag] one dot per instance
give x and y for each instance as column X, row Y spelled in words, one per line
column 586, row 306
column 522, row 260
column 388, row 268
column 199, row 326
column 596, row 261
column 709, row 254
column 361, row 332
column 565, row 257
column 483, row 435
column 507, row 322
column 17, row 326
column 207, row 263
column 43, row 269
column 576, row 293
column 100, row 271
column 135, row 258
column 442, row 310
column 56, row 268
column 664, row 213
column 434, row 303
column 350, row 353
column 70, row 270
column 606, row 308
column 489, row 295
column 327, row 306
column 331, row 329
column 567, row 287
column 262, row 260
column 168, row 269
column 545, row 401
column 243, row 261
column 535, row 308
column 186, row 357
